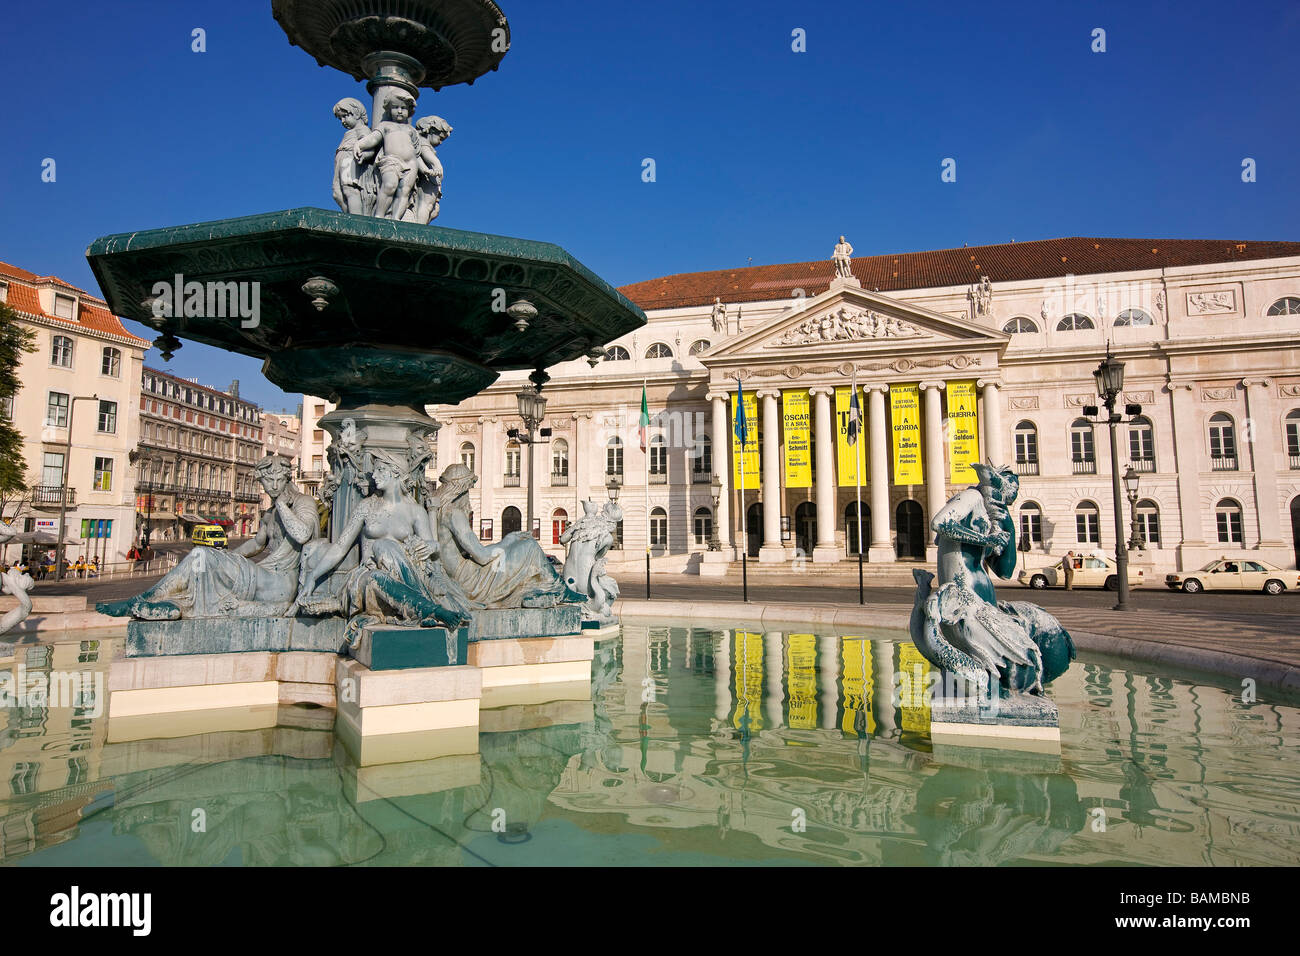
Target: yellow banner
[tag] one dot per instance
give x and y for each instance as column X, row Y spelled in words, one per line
column 844, row 453
column 855, row 685
column 795, row 417
column 751, row 443
column 747, row 681
column 963, row 432
column 913, row 689
column 801, row 681
column 905, row 412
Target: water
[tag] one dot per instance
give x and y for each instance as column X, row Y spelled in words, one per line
column 692, row 746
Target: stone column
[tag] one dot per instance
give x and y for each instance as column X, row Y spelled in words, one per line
column 774, row 689
column 828, row 672
column 1191, row 551
column 991, row 422
column 772, row 551
column 826, row 549
column 1260, row 413
column 935, row 487
column 721, row 441
column 881, row 547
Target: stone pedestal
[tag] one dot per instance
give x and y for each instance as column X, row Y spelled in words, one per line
column 374, row 703
column 771, row 554
column 387, row 647
column 515, row 662
column 492, row 624
column 827, row 554
column 1021, row 723
column 881, row 554
column 715, row 564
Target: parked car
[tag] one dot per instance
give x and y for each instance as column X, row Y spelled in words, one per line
column 211, row 535
column 1233, row 574
column 1090, row 571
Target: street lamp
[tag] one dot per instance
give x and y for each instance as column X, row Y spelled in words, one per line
column 1136, row 542
column 145, row 460
column 716, row 487
column 613, row 484
column 67, row 473
column 532, row 409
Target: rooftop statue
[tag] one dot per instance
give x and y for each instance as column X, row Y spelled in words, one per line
column 587, row 542
column 1004, row 649
column 843, row 259
column 719, row 316
column 212, row 582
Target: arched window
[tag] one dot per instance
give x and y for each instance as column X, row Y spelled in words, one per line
column 658, row 528
column 1287, row 305
column 616, row 353
column 61, row 351
column 699, row 345
column 703, row 525
column 1031, row 522
column 1227, row 516
column 1082, row 453
column 614, row 457
column 467, row 455
column 1026, row 440
column 511, row 520
column 1293, row 437
column 1142, row 445
column 658, row 351
column 1148, row 521
column 1131, row 317
column 513, row 459
column 1087, row 523
column 1074, row 322
column 559, row 462
column 559, row 524
column 702, row 460
column 1019, row 325
column 658, row 460
column 1223, row 442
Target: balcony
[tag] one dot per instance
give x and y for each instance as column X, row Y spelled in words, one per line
column 511, row 481
column 1223, row 463
column 51, row 496
column 701, row 477
column 1027, row 467
column 311, row 474
column 658, row 477
column 248, row 496
column 1295, row 462
column 1085, row 466
column 559, row 481
column 1143, row 464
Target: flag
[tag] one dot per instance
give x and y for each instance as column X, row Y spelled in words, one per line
column 855, row 417
column 644, row 429
column 742, row 429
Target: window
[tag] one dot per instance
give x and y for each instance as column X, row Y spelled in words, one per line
column 467, row 455
column 614, row 457
column 1148, row 521
column 1031, row 522
column 64, row 305
column 61, row 351
column 7, row 408
column 658, row 528
column 616, row 353
column 1223, row 442
column 1289, row 305
column 103, row 474
column 1227, row 516
column 1087, row 523
column 1074, row 322
column 111, row 362
column 56, row 410
column 1132, row 317
column 560, row 462
column 702, row 459
column 1020, row 325
column 1292, row 435
column 1082, row 452
column 107, row 417
column 1141, row 445
column 1026, row 441
column 513, row 459
column 703, row 525
column 658, row 351
column 699, row 345
column 658, row 460
column 52, row 469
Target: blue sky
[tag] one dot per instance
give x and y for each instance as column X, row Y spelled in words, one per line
column 760, row 152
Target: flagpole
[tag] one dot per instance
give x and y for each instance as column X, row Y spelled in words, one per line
column 744, row 522
column 857, row 474
column 646, row 456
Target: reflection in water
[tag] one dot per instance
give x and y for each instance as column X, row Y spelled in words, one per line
column 699, row 746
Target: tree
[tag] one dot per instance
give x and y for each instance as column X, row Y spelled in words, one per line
column 15, row 339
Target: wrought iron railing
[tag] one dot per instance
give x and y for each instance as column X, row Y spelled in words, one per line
column 52, row 495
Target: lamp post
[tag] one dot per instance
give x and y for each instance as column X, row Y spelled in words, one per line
column 613, row 484
column 1110, row 382
column 532, row 409
column 1136, row 542
column 145, row 460
column 716, row 486
column 67, row 472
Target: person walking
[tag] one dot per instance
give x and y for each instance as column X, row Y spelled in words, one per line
column 1068, row 565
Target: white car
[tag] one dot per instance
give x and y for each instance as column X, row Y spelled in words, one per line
column 1090, row 571
column 1233, row 574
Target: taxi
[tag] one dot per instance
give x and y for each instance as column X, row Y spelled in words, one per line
column 1090, row 571
column 1233, row 574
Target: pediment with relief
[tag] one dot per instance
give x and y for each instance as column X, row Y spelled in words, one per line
column 846, row 324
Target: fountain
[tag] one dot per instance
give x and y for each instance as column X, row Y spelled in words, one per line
column 383, row 313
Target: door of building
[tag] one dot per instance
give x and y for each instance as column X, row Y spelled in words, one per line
column 754, row 527
column 805, row 526
column 911, row 531
column 851, row 526
column 511, row 520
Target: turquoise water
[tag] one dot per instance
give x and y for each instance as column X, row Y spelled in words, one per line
column 711, row 746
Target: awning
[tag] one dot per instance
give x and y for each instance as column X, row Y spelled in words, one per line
column 156, row 516
column 35, row 537
column 193, row 519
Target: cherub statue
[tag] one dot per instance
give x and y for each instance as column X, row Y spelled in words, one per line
column 354, row 182
column 433, row 132
column 397, row 164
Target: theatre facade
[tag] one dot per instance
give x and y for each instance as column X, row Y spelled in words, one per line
column 957, row 356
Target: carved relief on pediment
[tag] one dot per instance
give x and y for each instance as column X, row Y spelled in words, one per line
column 846, row 324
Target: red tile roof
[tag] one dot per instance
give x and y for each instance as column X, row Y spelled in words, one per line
column 1008, row 262
column 93, row 313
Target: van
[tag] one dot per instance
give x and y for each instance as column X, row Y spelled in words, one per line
column 212, row 535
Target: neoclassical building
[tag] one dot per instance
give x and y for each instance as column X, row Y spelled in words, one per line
column 962, row 354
